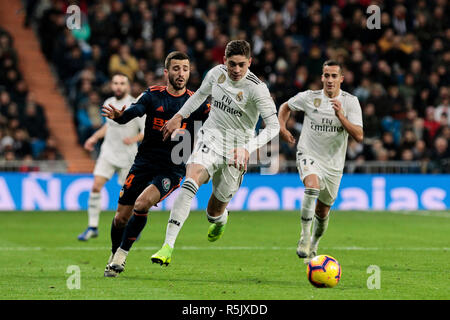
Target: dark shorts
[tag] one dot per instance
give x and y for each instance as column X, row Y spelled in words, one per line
column 139, row 178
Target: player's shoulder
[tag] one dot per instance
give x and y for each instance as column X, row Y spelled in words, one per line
column 156, row 89
column 348, row 95
column 111, row 99
column 218, row 70
column 252, row 80
column 309, row 94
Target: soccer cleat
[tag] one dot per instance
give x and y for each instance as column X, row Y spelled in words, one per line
column 303, row 247
column 163, row 256
column 215, row 232
column 110, row 273
column 312, row 253
column 118, row 262
column 89, row 233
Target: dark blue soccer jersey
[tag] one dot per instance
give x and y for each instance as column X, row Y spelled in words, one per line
column 160, row 106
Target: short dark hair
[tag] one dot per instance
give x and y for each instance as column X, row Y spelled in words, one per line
column 118, row 73
column 177, row 55
column 331, row 63
column 237, row 47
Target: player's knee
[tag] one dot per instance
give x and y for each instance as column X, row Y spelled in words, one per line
column 120, row 221
column 143, row 205
column 321, row 212
column 312, row 182
column 97, row 188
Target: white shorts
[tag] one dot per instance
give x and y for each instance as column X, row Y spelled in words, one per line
column 329, row 184
column 106, row 169
column 226, row 179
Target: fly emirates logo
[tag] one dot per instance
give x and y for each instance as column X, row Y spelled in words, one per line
column 326, row 126
column 224, row 105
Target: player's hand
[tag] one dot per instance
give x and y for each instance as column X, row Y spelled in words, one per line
column 286, row 135
column 128, row 140
column 240, row 158
column 337, row 106
column 90, row 143
column 170, row 126
column 111, row 112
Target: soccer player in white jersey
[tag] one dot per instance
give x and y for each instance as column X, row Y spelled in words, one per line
column 117, row 152
column 331, row 115
column 225, row 141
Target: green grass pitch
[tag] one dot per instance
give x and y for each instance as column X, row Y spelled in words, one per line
column 254, row 260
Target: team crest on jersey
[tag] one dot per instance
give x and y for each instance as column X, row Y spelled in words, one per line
column 239, row 96
column 166, row 184
column 317, row 102
column 121, row 193
column 221, row 78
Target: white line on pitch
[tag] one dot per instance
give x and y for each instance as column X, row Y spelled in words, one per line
column 194, row 248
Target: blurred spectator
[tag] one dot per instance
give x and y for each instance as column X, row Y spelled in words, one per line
column 397, row 72
column 440, row 156
column 123, row 62
column 23, row 126
column 89, row 117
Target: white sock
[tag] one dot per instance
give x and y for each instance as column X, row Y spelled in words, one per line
column 319, row 227
column 308, row 209
column 94, row 207
column 220, row 220
column 180, row 210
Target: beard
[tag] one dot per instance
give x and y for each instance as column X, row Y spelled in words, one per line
column 175, row 85
column 119, row 95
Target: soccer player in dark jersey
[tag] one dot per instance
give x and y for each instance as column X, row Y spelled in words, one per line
column 154, row 174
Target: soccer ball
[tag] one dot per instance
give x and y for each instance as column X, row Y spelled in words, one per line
column 324, row 271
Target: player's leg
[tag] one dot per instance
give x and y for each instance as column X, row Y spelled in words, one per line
column 217, row 215
column 311, row 193
column 118, row 225
column 147, row 199
column 134, row 184
column 326, row 199
column 196, row 175
column 199, row 169
column 94, row 207
column 226, row 182
column 320, row 225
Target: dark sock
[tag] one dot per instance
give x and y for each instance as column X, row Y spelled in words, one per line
column 134, row 227
column 116, row 236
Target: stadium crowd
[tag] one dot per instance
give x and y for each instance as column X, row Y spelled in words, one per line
column 399, row 71
column 23, row 128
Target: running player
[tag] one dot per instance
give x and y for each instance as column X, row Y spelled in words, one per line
column 225, row 141
column 331, row 115
column 155, row 173
column 117, row 152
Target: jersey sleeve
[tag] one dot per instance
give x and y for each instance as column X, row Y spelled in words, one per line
column 267, row 109
column 209, row 80
column 298, row 102
column 354, row 112
column 143, row 105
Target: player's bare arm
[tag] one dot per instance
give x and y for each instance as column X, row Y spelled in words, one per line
column 354, row 130
column 111, row 112
column 283, row 116
column 130, row 140
column 92, row 141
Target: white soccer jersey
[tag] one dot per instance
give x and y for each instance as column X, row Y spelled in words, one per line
column 235, row 110
column 323, row 136
column 113, row 149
